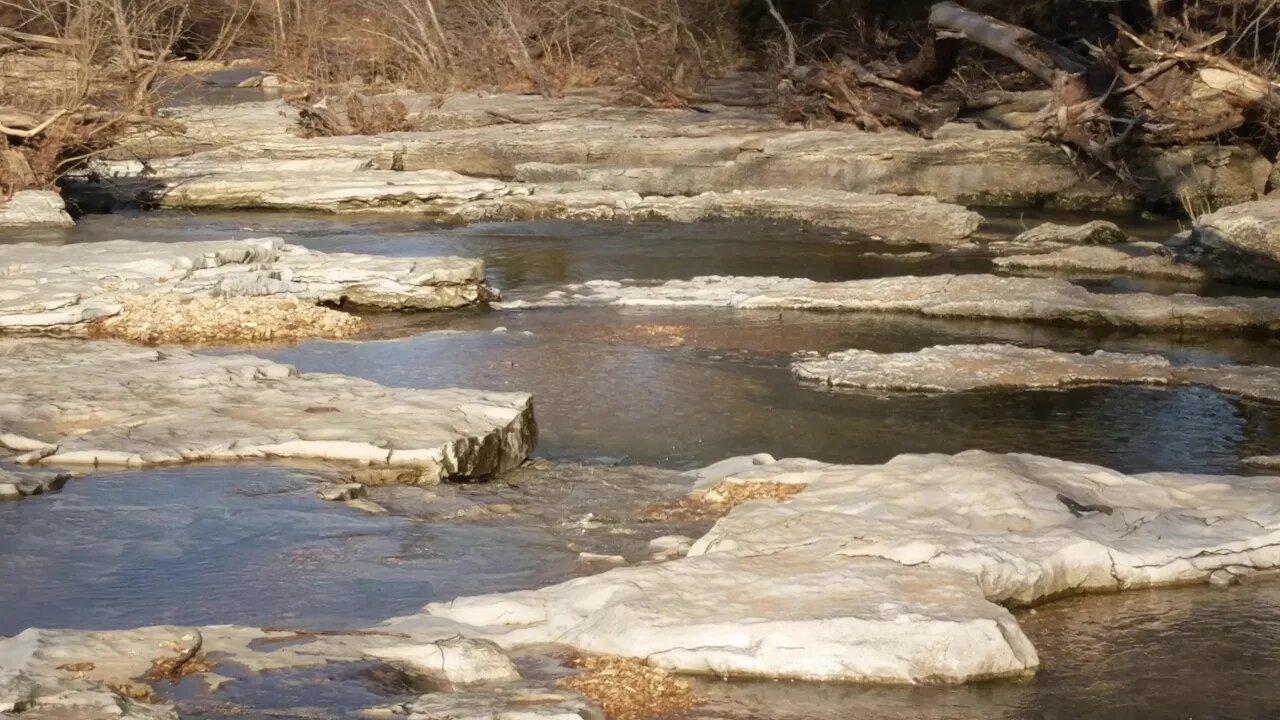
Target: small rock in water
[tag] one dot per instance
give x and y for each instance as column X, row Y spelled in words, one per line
column 668, row 547
column 457, row 661
column 499, row 330
column 343, row 493
column 596, row 559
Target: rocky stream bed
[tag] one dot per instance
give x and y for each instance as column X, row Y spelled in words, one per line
column 563, row 410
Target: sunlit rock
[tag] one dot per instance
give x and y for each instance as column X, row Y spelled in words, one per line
column 893, row 572
column 62, row 289
column 987, row 297
column 17, row 484
column 104, row 403
column 29, row 208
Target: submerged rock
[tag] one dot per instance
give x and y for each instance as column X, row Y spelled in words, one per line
column 18, row 484
column 1240, row 243
column 970, row 296
column 28, row 208
column 1131, row 260
column 960, row 368
column 893, row 572
column 107, row 403
column 62, row 289
column 1098, row 232
column 498, row 704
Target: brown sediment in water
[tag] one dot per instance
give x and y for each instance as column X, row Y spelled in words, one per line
column 630, row 689
column 172, row 318
column 719, row 500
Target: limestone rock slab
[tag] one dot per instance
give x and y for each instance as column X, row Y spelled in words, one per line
column 961, row 368
column 1025, row 528
column 969, row 296
column 958, row 368
column 63, row 288
column 792, row 615
column 110, row 404
column 29, row 208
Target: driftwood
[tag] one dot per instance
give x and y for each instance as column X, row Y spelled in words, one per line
column 1160, row 89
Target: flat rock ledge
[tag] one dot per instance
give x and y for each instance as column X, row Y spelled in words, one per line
column 898, row 572
column 63, row 289
column 338, row 185
column 105, row 403
column 963, row 368
column 34, row 208
column 89, row 675
column 989, row 297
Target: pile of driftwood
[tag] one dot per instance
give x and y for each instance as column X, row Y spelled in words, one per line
column 1166, row 86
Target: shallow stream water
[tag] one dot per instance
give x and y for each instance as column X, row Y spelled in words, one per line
column 671, row 389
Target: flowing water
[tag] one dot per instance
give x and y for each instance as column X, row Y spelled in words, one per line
column 616, row 389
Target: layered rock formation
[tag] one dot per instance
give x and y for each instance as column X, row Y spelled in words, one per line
column 64, row 288
column 962, row 296
column 34, row 208
column 67, row 403
column 893, row 572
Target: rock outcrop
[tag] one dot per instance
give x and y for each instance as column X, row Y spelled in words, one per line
column 713, row 148
column 963, row 296
column 100, row 403
column 1239, row 243
column 65, row 288
column 897, row 572
column 34, row 208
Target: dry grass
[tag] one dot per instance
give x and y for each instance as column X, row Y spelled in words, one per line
column 719, row 500
column 629, row 689
column 171, row 318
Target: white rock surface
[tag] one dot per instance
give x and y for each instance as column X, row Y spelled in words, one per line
column 455, row 661
column 961, row 368
column 62, row 288
column 794, row 615
column 891, row 572
column 957, row 368
column 106, row 403
column 28, row 208
column 972, row 296
column 342, row 184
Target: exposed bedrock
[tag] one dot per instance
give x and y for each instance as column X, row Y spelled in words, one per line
column 990, row 297
column 101, row 403
column 1097, row 232
column 65, row 288
column 33, row 208
column 719, row 149
column 1136, row 260
column 896, row 572
column 340, row 185
column 960, row 368
column 16, row 484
